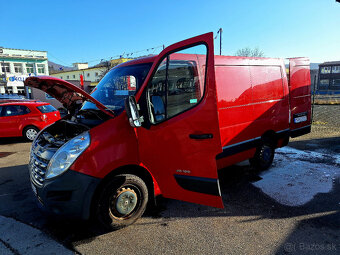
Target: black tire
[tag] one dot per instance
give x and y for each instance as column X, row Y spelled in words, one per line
column 30, row 132
column 121, row 201
column 264, row 156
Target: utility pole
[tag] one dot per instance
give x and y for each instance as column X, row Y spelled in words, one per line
column 219, row 32
column 29, row 92
column 220, row 40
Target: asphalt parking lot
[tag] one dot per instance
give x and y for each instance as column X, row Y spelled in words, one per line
column 252, row 221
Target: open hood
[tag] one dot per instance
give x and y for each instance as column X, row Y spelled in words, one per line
column 68, row 94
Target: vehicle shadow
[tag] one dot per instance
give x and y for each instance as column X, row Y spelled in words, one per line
column 12, row 140
column 322, row 225
column 329, row 144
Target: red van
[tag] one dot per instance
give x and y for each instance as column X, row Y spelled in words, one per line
column 164, row 125
column 25, row 117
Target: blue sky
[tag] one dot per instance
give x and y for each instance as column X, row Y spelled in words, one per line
column 82, row 30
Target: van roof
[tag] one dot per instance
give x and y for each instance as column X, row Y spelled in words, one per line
column 244, row 61
column 219, row 60
column 137, row 61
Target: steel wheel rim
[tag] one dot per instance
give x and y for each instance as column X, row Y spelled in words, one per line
column 124, row 203
column 31, row 134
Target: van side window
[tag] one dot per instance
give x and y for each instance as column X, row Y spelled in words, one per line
column 177, row 85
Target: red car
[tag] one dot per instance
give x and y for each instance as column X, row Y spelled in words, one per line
column 25, row 117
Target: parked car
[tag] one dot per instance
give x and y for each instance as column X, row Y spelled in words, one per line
column 11, row 96
column 25, row 117
column 128, row 144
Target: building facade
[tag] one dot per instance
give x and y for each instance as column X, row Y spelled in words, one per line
column 329, row 77
column 16, row 65
column 91, row 75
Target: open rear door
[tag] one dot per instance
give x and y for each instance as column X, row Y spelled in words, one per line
column 300, row 96
column 180, row 137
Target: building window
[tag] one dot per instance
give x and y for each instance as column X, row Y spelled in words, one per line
column 73, row 76
column 5, row 67
column 96, row 74
column 336, row 83
column 336, row 69
column 88, row 75
column 324, row 83
column 29, row 68
column 67, row 77
column 325, row 69
column 41, row 68
column 17, row 68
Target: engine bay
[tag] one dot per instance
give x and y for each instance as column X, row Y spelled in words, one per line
column 57, row 134
column 60, row 132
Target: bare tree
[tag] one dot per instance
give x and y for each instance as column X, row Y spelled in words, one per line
column 107, row 66
column 248, row 52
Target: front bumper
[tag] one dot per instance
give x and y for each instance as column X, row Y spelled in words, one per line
column 68, row 195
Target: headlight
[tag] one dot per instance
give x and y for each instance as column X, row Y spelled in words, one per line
column 67, row 154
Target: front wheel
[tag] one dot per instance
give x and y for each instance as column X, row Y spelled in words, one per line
column 30, row 132
column 122, row 201
column 263, row 157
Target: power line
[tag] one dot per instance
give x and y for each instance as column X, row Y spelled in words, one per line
column 49, row 53
column 130, row 54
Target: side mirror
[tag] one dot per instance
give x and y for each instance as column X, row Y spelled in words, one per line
column 131, row 108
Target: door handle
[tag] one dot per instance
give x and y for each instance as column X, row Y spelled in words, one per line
column 202, row 136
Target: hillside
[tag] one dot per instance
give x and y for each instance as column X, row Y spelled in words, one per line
column 56, row 68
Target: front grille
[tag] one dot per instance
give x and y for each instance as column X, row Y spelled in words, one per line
column 42, row 152
column 37, row 167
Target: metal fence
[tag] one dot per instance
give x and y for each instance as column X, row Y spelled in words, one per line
column 328, row 117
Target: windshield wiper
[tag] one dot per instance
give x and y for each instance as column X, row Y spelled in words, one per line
column 109, row 110
column 94, row 111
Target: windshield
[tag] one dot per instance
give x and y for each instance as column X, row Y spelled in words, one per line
column 117, row 85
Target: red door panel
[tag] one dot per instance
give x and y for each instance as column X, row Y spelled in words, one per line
column 7, row 125
column 10, row 124
column 181, row 151
column 300, row 92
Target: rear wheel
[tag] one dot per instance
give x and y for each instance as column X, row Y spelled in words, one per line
column 30, row 132
column 121, row 201
column 264, row 156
